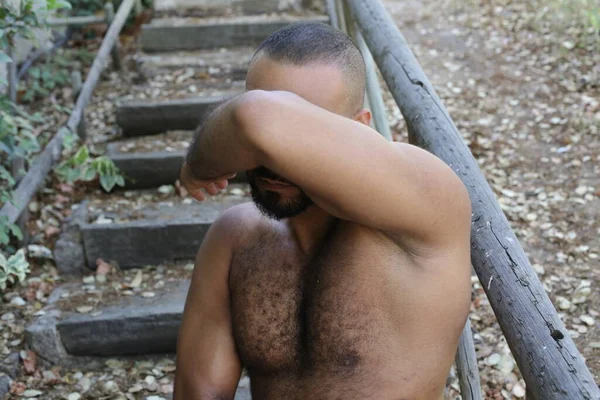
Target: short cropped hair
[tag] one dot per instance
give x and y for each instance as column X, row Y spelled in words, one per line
column 314, row 42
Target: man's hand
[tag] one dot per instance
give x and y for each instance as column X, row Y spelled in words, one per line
column 194, row 185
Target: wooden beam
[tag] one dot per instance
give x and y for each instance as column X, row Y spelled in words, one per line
column 466, row 366
column 44, row 161
column 84, row 20
column 546, row 355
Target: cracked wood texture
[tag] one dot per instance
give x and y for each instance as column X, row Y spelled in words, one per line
column 547, row 357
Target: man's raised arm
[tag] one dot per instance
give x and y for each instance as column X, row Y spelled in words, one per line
column 208, row 367
column 344, row 166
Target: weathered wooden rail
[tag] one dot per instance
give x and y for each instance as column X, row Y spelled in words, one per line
column 547, row 357
column 51, row 153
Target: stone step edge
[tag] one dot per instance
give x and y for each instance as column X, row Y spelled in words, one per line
column 162, row 36
column 153, row 169
column 147, row 117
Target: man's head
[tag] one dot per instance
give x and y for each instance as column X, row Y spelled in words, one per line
column 321, row 65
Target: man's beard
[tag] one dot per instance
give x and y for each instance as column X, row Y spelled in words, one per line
column 270, row 203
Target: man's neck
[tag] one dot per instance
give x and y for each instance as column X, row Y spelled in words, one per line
column 310, row 227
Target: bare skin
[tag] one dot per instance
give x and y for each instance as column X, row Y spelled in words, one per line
column 361, row 296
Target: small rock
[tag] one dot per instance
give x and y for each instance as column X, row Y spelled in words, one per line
column 189, row 267
column 32, row 393
column 17, row 301
column 7, row 316
column 102, row 220
column 166, row 189
column 237, row 192
column 38, row 251
column 493, row 359
column 137, row 280
column 73, row 396
column 135, row 388
column 34, row 206
column 88, row 280
column 563, row 303
column 589, row 321
column 110, row 387
column 518, row 390
column 101, row 278
column 84, row 309
column 148, row 294
column 85, row 383
column 506, row 363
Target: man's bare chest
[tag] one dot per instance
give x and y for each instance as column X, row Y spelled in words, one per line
column 328, row 311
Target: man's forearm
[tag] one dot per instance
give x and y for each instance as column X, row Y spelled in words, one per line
column 221, row 146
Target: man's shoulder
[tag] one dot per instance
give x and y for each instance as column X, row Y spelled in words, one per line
column 237, row 222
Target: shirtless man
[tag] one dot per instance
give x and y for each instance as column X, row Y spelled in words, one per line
column 349, row 276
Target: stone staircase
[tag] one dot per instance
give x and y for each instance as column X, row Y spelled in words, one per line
column 193, row 54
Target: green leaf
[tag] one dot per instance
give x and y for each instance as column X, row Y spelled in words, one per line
column 4, row 239
column 16, row 231
column 120, row 180
column 107, row 182
column 4, row 57
column 63, row 4
column 82, row 155
column 88, row 174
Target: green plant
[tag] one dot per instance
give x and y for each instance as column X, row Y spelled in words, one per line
column 16, row 140
column 14, row 269
column 82, row 167
column 53, row 73
column 17, row 19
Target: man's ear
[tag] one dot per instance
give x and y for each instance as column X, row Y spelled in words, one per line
column 363, row 116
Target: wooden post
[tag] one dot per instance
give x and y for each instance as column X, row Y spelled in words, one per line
column 138, row 7
column 12, row 75
column 109, row 12
column 374, row 95
column 84, row 20
column 330, row 6
column 76, row 86
column 44, row 161
column 466, row 366
column 545, row 353
column 341, row 18
column 17, row 163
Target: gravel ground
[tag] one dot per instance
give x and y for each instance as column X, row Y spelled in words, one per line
column 523, row 90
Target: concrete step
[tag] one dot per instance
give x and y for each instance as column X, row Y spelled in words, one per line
column 127, row 316
column 172, row 34
column 134, row 325
column 225, row 6
column 140, row 228
column 148, row 117
column 221, row 63
column 152, row 161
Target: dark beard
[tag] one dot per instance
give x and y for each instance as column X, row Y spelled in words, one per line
column 270, row 203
